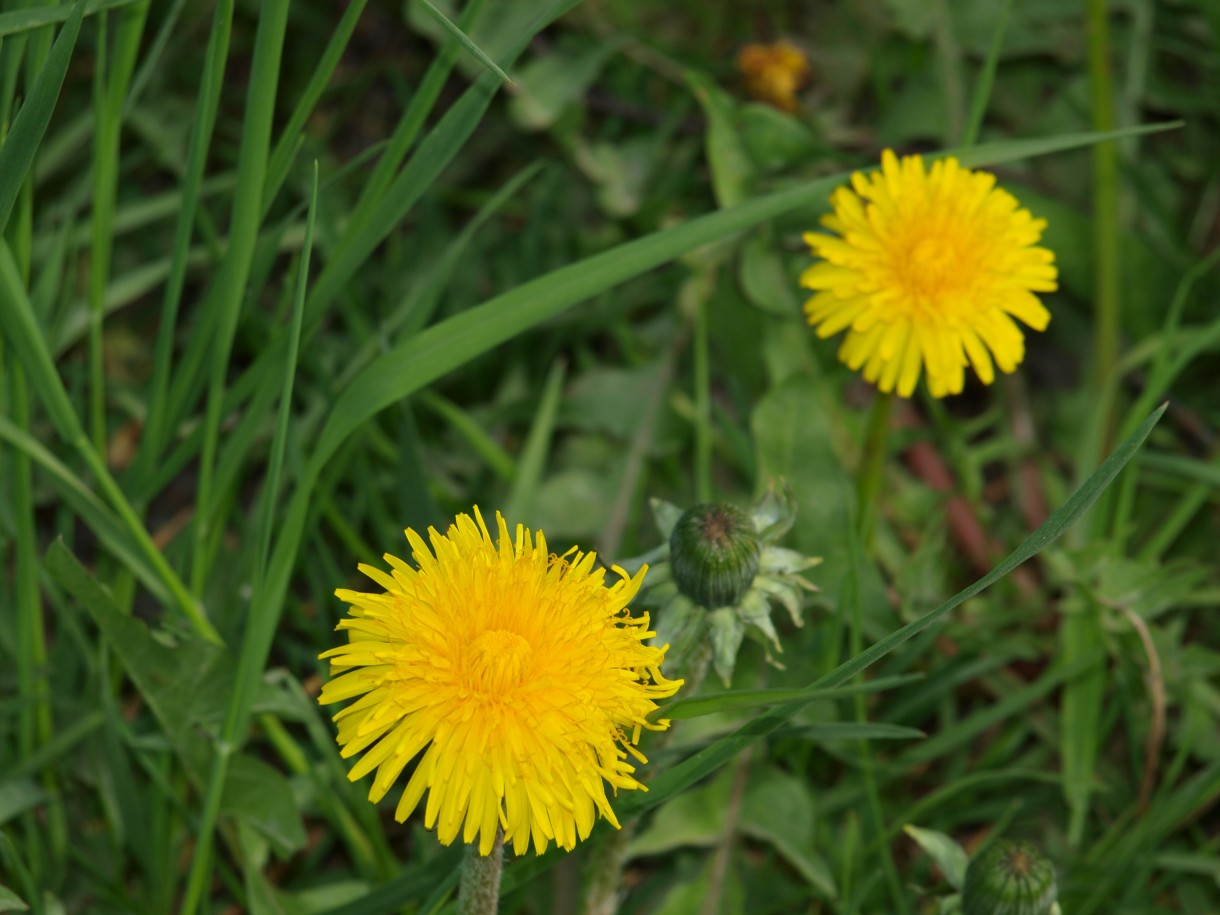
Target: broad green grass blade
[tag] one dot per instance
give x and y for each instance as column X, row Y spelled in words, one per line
column 22, row 140
column 229, row 293
column 464, row 40
column 708, row 760
column 413, row 119
column 18, row 21
column 1015, row 150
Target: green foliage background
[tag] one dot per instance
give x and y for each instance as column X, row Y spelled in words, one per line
column 280, row 279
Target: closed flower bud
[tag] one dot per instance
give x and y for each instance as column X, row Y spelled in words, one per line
column 714, row 549
column 1009, row 878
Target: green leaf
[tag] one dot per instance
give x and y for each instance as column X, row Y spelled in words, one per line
column 693, row 818
column 726, row 631
column 11, row 902
column 950, row 857
column 763, row 278
column 552, row 82
column 261, row 797
column 732, row 171
column 774, row 139
column 778, row 808
column 185, row 686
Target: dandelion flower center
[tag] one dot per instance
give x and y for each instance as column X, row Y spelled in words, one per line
column 926, row 271
column 499, row 661
column 933, row 269
column 518, row 681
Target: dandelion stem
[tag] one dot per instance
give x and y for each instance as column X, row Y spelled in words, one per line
column 869, row 482
column 703, row 407
column 1105, row 206
column 479, row 892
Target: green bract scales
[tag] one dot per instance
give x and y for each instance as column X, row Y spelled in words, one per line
column 716, row 576
column 1009, row 878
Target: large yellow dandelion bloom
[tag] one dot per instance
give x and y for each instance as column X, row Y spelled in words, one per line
column 927, row 270
column 521, row 677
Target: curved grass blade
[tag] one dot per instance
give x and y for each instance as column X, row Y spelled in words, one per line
column 464, row 40
column 737, row 700
column 18, row 21
column 17, row 152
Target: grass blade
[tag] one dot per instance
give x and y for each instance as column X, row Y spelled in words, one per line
column 229, row 292
column 155, row 431
column 17, row 153
column 464, row 40
column 519, row 503
column 18, row 21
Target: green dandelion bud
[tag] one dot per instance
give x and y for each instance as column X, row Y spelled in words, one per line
column 1009, row 878
column 715, row 550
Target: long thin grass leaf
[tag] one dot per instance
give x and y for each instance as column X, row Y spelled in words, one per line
column 18, row 21
column 519, row 503
column 229, row 293
column 464, row 40
column 210, row 82
column 23, row 138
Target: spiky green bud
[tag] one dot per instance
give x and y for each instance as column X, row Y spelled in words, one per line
column 1009, row 878
column 714, row 549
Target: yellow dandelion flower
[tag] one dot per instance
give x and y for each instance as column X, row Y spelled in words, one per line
column 927, row 271
column 774, row 72
column 522, row 679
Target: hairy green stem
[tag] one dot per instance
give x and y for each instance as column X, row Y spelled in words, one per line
column 479, row 892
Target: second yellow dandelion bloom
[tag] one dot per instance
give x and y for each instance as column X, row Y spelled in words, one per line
column 926, row 271
column 773, row 73
column 520, row 676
